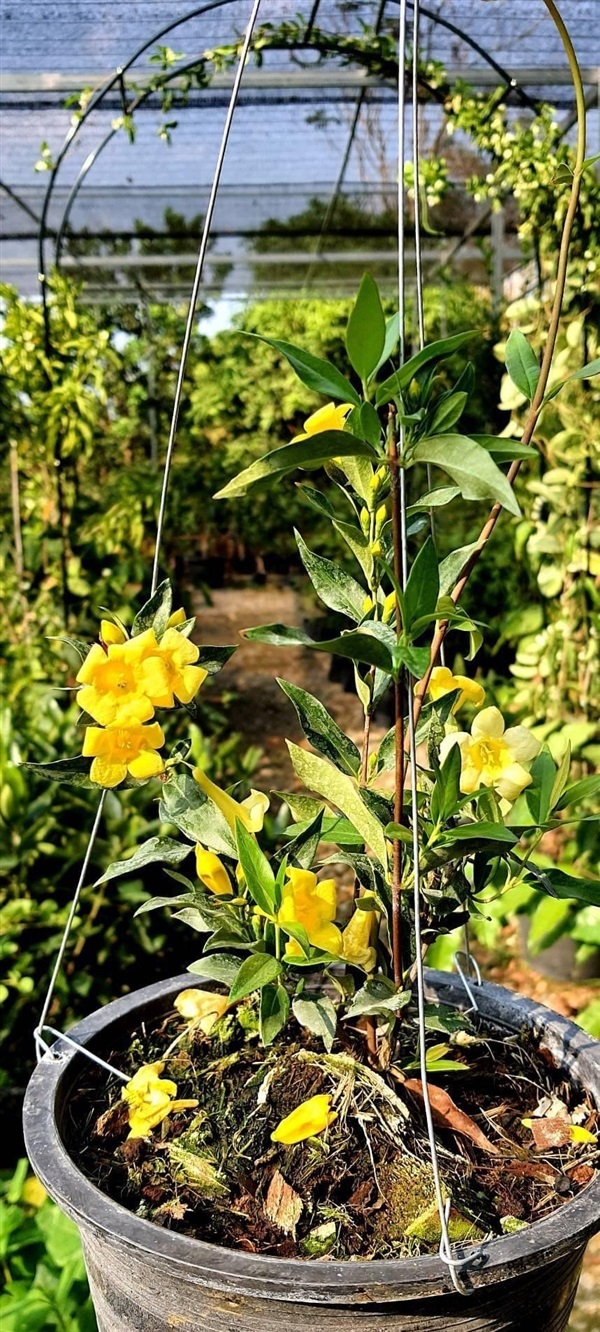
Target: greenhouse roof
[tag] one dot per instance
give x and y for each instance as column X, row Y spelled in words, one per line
column 297, row 121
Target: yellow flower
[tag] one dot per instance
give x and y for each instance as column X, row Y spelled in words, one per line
column 118, row 680
column 492, row 756
column 111, row 632
column 444, row 682
column 173, row 675
column 327, row 418
column 212, row 872
column 150, row 1099
column 306, row 901
column 202, row 1008
column 356, row 940
column 123, row 749
column 251, row 811
column 305, row 1121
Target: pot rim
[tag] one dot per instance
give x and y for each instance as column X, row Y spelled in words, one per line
column 347, row 1281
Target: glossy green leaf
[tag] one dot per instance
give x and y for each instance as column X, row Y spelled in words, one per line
column 435, row 351
column 362, row 644
column 453, row 565
column 588, row 371
column 469, row 466
column 257, row 870
column 313, row 371
column 560, row 884
column 318, row 775
column 377, row 998
column 184, row 804
column 155, row 614
column 321, row 730
column 333, row 585
column 274, row 1012
column 365, row 334
column 447, row 412
column 256, row 971
column 392, row 340
column 505, row 450
column 157, row 850
column 221, row 967
column 317, row 1013
column 213, row 659
column 586, row 789
column 314, row 451
column 522, row 364
column 73, row 771
column 422, row 587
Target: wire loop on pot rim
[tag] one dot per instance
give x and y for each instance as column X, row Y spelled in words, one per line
column 81, row 1049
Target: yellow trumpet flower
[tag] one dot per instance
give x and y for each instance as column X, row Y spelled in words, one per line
column 491, row 756
column 308, row 1119
column 173, row 673
column 251, row 811
column 444, row 682
column 212, row 872
column 111, row 633
column 311, row 903
column 150, row 1099
column 118, row 679
column 122, row 749
column 326, row 418
column 201, row 1008
column 356, row 940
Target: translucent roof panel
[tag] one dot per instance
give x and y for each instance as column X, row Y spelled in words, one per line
column 292, row 129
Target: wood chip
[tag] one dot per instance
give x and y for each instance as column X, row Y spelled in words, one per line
column 548, row 1133
column 447, row 1115
column 283, row 1206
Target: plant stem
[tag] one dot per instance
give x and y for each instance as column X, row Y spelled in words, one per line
column 538, row 400
column 398, row 709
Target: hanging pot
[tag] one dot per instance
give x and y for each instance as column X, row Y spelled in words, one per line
column 144, row 1278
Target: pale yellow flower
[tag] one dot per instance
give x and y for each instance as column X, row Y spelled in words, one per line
column 150, row 1099
column 444, row 682
column 308, row 1119
column 201, row 1008
column 251, row 811
column 212, row 872
column 312, row 903
column 493, row 757
column 329, row 417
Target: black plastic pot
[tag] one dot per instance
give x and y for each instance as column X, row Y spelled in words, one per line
column 147, row 1279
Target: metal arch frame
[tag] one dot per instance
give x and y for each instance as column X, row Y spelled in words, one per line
column 116, row 79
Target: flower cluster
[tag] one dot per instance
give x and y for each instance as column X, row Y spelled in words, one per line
column 490, row 755
column 122, row 681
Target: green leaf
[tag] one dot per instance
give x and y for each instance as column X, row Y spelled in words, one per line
column 469, row 466
column 561, row 884
column 318, row 1015
column 434, row 499
column 377, row 998
column 585, row 372
column 586, row 789
column 321, row 729
column 359, row 545
column 257, row 870
column 522, row 364
column 274, row 1012
column 445, row 799
column 316, row 499
column 505, row 450
column 368, row 644
column 337, row 589
column 213, row 659
column 153, row 904
column 416, row 659
column 561, row 777
column 447, row 412
column 302, row 847
column 316, row 373
column 255, row 972
column 222, row 967
column 435, row 351
column 422, row 588
column 303, row 808
column 305, row 453
column 334, row 829
column 162, row 850
column 392, row 339
column 365, row 334
column 77, row 644
column 185, row 805
column 318, row 775
column 74, row 771
column 369, row 428
column 155, row 614
column 453, row 565
column 474, row 832
column 539, row 794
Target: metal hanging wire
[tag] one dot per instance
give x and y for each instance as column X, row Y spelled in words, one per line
column 41, row 1047
column 454, row 1265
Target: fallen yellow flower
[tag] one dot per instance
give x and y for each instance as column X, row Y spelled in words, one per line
column 202, row 1008
column 120, row 750
column 212, row 872
column 311, row 903
column 326, row 418
column 444, row 682
column 308, row 1119
column 356, row 940
column 251, row 811
column 150, row 1099
column 492, row 756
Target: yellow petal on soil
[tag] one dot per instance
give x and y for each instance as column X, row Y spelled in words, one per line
column 579, row 1134
column 202, row 1007
column 308, row 1119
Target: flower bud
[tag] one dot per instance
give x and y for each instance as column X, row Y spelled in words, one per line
column 376, row 548
column 389, row 607
column 365, row 521
column 367, row 605
column 380, row 518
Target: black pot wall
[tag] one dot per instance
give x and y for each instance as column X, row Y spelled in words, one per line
column 147, row 1279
